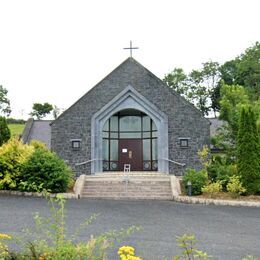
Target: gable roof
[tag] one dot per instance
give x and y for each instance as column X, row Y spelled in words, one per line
column 131, row 61
column 39, row 130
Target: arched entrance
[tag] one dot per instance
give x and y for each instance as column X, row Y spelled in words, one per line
column 129, row 101
column 130, row 137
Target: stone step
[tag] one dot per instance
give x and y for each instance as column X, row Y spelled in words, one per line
column 130, row 194
column 128, row 197
column 145, row 173
column 137, row 189
column 123, row 185
column 148, row 186
column 131, row 178
column 116, row 182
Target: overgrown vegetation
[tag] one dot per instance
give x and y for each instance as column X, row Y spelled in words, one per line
column 32, row 168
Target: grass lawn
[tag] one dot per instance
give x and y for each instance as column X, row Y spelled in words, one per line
column 16, row 129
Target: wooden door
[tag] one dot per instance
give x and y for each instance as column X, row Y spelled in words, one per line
column 130, row 152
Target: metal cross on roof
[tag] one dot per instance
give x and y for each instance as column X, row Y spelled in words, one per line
column 131, row 48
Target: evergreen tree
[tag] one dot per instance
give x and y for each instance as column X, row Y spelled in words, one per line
column 248, row 152
column 4, row 131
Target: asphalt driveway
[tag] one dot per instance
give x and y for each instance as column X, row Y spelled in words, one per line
column 222, row 231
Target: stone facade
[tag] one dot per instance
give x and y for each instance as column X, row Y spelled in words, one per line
column 184, row 120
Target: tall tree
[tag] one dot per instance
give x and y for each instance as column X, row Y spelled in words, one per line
column 198, row 86
column 4, row 101
column 233, row 99
column 4, row 131
column 41, row 110
column 248, row 152
column 244, row 70
column 177, row 80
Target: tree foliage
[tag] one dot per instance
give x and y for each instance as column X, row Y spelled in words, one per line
column 202, row 87
column 5, row 133
column 248, row 151
column 177, row 80
column 41, row 110
column 244, row 70
column 233, row 99
column 198, row 86
column 4, row 101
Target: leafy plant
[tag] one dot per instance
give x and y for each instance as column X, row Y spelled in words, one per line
column 4, row 250
column 212, row 189
column 198, row 179
column 190, row 252
column 235, row 187
column 204, row 156
column 45, row 170
column 12, row 156
column 220, row 169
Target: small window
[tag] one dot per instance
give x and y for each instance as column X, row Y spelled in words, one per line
column 184, row 142
column 75, row 144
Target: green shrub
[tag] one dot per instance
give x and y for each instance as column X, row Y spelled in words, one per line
column 220, row 169
column 12, row 156
column 45, row 170
column 198, row 180
column 212, row 189
column 5, row 133
column 235, row 187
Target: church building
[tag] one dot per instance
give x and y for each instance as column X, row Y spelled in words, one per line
column 130, row 117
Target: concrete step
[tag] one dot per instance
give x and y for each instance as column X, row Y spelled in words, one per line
column 129, row 198
column 133, row 188
column 140, row 185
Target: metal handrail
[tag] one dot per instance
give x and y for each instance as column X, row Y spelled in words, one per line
column 82, row 163
column 169, row 160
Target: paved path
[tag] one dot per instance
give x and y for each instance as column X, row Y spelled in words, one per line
column 225, row 232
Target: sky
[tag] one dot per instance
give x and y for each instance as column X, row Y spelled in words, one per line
column 56, row 50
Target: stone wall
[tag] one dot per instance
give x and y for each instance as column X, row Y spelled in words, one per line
column 183, row 119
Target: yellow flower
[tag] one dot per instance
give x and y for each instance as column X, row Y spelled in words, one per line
column 127, row 253
column 5, row 236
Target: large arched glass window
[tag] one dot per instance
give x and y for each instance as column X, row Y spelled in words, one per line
column 130, row 125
